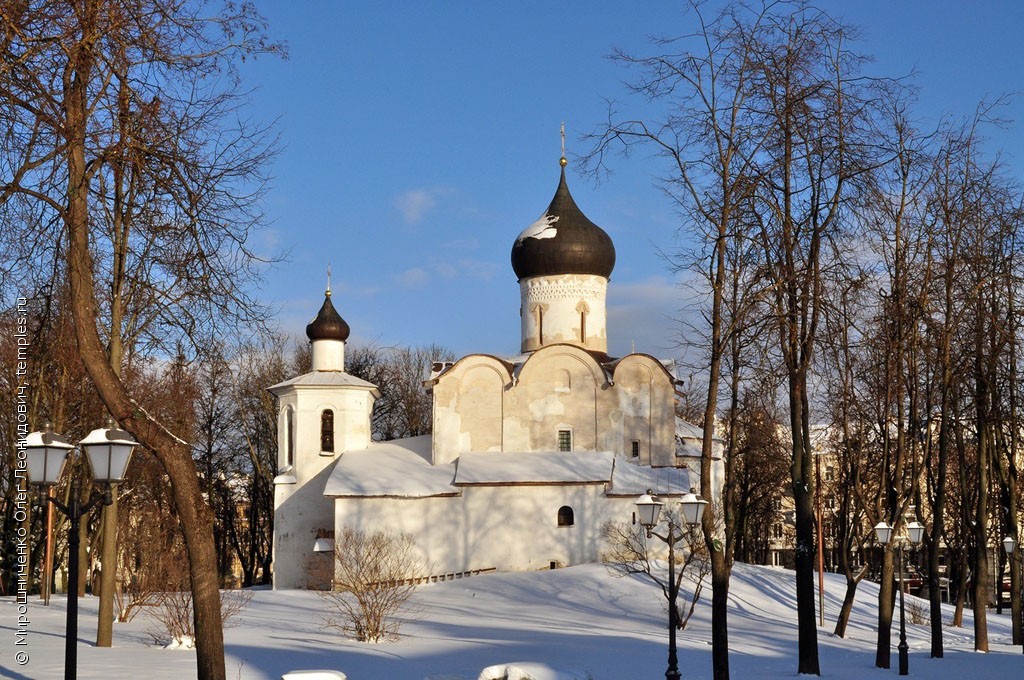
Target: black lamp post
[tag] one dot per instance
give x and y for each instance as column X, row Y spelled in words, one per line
column 1010, row 546
column 108, row 451
column 649, row 508
column 915, row 531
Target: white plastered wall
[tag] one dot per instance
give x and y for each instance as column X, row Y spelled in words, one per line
column 553, row 309
column 300, row 508
column 479, row 407
column 508, row 528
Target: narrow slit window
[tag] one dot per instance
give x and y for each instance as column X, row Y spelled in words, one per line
column 636, row 448
column 583, row 309
column 327, row 431
column 289, row 438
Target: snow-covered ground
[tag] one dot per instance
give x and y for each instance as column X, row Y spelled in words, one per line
column 580, row 621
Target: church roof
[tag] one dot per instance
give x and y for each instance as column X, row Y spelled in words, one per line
column 398, row 469
column 328, row 324
column 630, row 479
column 554, row 467
column 563, row 241
column 323, row 379
column 401, row 469
column 690, row 439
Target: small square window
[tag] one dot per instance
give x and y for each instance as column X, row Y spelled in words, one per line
column 636, row 448
column 565, row 440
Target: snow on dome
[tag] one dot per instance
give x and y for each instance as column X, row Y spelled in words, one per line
column 576, row 246
column 544, row 227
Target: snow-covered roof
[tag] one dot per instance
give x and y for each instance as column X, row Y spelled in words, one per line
column 688, row 430
column 552, row 467
column 630, row 479
column 323, row 379
column 399, row 468
column 690, row 438
column 402, row 469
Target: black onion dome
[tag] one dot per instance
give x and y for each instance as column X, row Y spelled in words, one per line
column 563, row 241
column 328, row 324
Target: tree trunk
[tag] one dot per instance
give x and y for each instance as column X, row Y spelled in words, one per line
column 174, row 453
column 847, row 608
column 803, row 500
column 83, row 554
column 980, row 591
column 108, row 576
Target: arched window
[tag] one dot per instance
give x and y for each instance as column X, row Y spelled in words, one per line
column 563, row 380
column 565, row 516
column 327, row 430
column 583, row 309
column 289, row 437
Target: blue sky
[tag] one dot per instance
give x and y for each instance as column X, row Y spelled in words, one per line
column 420, row 138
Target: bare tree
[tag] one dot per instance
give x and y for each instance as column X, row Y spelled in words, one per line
column 627, row 553
column 767, row 129
column 373, row 578
column 706, row 139
column 100, row 87
column 759, row 474
column 404, row 408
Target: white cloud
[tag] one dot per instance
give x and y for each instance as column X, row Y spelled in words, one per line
column 415, row 204
column 412, row 278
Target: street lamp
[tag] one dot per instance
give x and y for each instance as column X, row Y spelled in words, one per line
column 108, row 451
column 649, row 508
column 1009, row 546
column 915, row 532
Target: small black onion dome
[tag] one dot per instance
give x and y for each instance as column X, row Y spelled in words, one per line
column 563, row 241
column 328, row 324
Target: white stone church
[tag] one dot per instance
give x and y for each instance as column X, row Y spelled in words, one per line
column 530, row 454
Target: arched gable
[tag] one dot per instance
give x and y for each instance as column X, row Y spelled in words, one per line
column 555, row 400
column 645, row 391
column 656, row 367
column 582, row 358
column 468, row 406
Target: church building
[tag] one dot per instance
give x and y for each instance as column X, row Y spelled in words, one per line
column 531, row 454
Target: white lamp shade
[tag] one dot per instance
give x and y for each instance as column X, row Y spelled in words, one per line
column 1009, row 544
column 884, row 532
column 649, row 509
column 693, row 508
column 45, row 453
column 915, row 530
column 108, row 451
